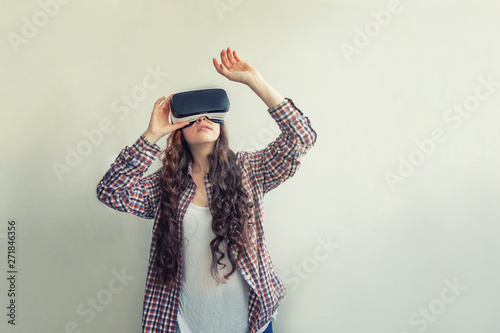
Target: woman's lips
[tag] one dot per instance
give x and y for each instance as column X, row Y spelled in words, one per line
column 204, row 128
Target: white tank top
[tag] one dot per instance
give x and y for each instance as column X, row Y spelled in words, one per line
column 206, row 306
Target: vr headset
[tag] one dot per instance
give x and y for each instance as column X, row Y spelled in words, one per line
column 190, row 105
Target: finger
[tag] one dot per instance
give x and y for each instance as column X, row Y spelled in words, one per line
column 161, row 106
column 236, row 56
column 224, row 71
column 158, row 102
column 220, row 68
column 216, row 65
column 230, row 56
column 180, row 125
column 224, row 60
column 165, row 107
column 167, row 101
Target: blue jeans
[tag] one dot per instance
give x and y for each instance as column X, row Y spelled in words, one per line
column 269, row 328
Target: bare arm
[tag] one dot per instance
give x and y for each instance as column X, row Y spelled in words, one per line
column 235, row 69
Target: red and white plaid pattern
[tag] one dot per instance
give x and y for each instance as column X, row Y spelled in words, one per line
column 124, row 188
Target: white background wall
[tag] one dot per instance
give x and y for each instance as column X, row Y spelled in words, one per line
column 397, row 249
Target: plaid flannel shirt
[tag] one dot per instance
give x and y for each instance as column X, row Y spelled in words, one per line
column 124, row 188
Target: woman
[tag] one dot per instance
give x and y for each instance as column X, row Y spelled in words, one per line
column 209, row 268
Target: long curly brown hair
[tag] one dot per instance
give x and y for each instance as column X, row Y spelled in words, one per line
column 230, row 207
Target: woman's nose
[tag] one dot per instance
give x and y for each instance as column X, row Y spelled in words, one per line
column 202, row 118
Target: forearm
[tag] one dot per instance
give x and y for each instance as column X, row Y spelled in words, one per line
column 281, row 158
column 264, row 90
column 123, row 187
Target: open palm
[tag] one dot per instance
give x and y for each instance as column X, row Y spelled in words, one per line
column 234, row 68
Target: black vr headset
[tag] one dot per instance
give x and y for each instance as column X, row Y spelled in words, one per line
column 190, row 105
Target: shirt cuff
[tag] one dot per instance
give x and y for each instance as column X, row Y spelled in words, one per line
column 142, row 151
column 143, row 144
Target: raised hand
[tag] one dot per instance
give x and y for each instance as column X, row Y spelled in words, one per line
column 238, row 70
column 235, row 69
column 159, row 125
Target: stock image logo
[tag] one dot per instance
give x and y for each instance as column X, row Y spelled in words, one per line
column 121, row 107
column 32, row 26
column 453, row 116
column 310, row 264
column 425, row 315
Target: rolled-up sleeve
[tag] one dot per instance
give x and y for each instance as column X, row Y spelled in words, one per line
column 280, row 160
column 123, row 186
